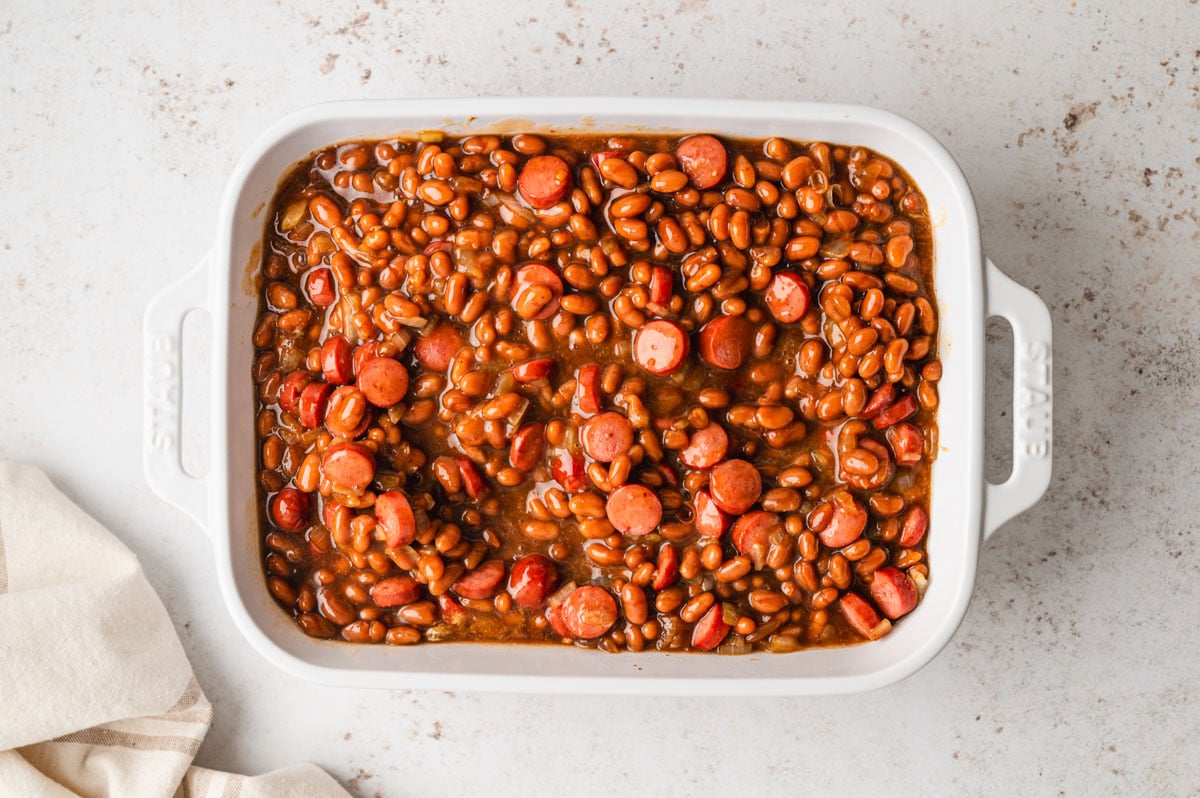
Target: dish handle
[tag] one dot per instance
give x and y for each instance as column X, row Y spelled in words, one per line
column 1033, row 399
column 162, row 401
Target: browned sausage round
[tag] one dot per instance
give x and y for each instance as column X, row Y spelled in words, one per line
column 735, row 486
column 707, row 447
column 395, row 517
column 660, row 285
column 396, row 591
column 313, row 400
column 588, row 612
column 605, row 436
column 363, row 353
column 293, row 385
column 859, row 614
column 531, row 580
column 527, row 446
column 349, row 465
column 913, row 527
column 726, row 342
column 541, row 276
column 289, row 510
column 711, row 521
column 752, row 533
column 894, row 592
column 711, row 629
column 848, row 521
column 530, row 370
column 473, row 484
column 383, row 380
column 660, row 346
column 907, row 442
column 435, row 350
column 544, row 181
column 666, row 569
column 337, row 360
column 703, row 159
column 879, row 400
column 320, row 287
column 481, row 583
column 633, row 509
column 587, row 390
column 903, row 407
column 787, row 297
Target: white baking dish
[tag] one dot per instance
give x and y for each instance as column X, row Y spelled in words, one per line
column 964, row 508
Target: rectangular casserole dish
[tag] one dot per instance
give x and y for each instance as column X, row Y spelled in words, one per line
column 964, row 508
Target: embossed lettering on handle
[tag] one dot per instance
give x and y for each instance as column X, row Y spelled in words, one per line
column 162, row 394
column 162, row 352
column 1033, row 399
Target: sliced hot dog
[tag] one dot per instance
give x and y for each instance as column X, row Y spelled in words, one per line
column 483, row 582
column 660, row 285
column 531, row 580
column 894, row 592
column 711, row 629
column 291, row 388
column 666, row 569
column 787, row 297
column 435, row 350
column 707, row 447
column 735, row 486
column 320, row 287
column 847, row 522
column 587, row 388
column 527, row 446
column 337, row 360
column 588, row 612
column 711, row 521
column 554, row 614
column 394, row 514
column 536, row 369
column 660, row 346
column 912, row 529
column 605, row 436
column 349, row 465
column 544, row 181
column 752, row 533
column 862, row 616
column 902, row 409
column 726, row 342
column 633, row 509
column 395, row 591
column 908, row 444
column 541, row 275
column 703, row 159
column 452, row 612
column 363, row 353
column 383, row 380
column 289, row 510
column 473, row 484
column 313, row 400
column 879, row 400
column 567, row 469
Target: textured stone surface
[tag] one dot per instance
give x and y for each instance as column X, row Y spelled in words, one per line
column 1075, row 671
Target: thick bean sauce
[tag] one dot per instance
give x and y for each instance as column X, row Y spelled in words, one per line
column 630, row 392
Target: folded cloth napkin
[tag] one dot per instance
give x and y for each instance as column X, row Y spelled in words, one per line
column 97, row 697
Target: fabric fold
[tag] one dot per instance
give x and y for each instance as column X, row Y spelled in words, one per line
column 97, row 697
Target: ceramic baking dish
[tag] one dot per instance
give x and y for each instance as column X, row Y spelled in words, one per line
column 964, row 509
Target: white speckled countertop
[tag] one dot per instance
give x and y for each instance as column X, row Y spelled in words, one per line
column 1076, row 669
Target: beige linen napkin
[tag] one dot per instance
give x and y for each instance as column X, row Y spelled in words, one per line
column 97, row 697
